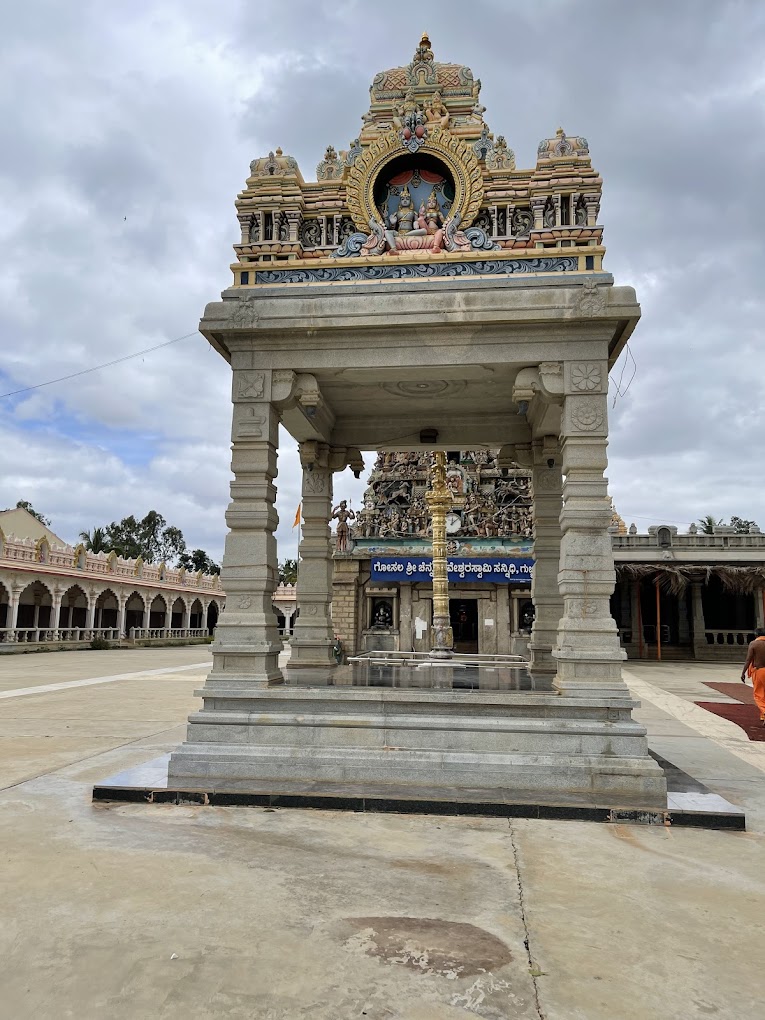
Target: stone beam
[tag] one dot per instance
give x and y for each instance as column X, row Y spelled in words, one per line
column 455, row 431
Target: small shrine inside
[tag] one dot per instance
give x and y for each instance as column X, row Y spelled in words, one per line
column 387, row 552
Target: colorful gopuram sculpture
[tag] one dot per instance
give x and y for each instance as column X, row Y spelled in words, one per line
column 425, row 179
column 497, row 501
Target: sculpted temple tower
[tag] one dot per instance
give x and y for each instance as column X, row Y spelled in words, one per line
column 423, row 293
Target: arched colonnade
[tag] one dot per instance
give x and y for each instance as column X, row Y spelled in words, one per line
column 50, row 609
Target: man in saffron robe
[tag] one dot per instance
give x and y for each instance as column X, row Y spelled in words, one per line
column 755, row 668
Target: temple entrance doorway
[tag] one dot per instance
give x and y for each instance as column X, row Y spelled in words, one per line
column 463, row 614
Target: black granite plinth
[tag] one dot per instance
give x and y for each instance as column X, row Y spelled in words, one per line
column 689, row 802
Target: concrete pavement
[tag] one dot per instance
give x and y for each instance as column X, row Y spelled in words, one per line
column 181, row 912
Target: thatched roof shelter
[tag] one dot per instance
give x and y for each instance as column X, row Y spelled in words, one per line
column 674, row 578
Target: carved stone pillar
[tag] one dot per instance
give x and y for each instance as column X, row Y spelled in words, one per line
column 683, row 628
column 287, row 614
column 546, row 483
column 697, row 616
column 92, row 596
column 246, row 647
column 405, row 618
column 588, row 653
column 245, row 223
column 556, row 201
column 593, row 207
column 313, row 638
column 538, row 209
column 13, row 610
column 186, row 624
column 636, row 623
column 294, row 219
column 55, row 612
column 504, row 622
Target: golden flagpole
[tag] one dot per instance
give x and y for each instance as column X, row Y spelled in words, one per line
column 440, row 500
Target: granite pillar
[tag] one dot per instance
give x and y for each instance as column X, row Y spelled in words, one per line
column 636, row 623
column 313, row 637
column 504, row 623
column 405, row 618
column 697, row 617
column 55, row 612
column 246, row 647
column 92, row 595
column 546, row 485
column 13, row 608
column 588, row 652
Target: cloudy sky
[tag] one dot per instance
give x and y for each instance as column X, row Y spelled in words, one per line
column 127, row 130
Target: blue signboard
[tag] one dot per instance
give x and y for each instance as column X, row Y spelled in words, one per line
column 489, row 570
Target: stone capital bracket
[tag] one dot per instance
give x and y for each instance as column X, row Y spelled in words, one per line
column 546, row 449
column 342, row 457
column 538, row 391
column 305, row 413
column 514, row 453
column 314, row 455
column 546, row 380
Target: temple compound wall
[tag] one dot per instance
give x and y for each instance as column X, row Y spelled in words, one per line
column 61, row 595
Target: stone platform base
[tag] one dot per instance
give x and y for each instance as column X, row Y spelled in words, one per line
column 689, row 802
column 432, row 745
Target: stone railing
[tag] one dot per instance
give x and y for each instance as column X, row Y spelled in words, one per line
column 722, row 541
column 84, row 635
column 740, row 638
column 71, row 635
column 163, row 633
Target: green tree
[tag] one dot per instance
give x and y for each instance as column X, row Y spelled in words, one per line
column 708, row 524
column 151, row 538
column 124, row 538
column 198, row 559
column 742, row 527
column 24, row 504
column 95, row 541
column 288, row 571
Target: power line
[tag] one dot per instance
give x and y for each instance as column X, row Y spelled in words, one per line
column 96, row 368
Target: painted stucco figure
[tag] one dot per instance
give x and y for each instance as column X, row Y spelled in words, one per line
column 343, row 514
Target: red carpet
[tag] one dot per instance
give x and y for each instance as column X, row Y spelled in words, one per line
column 739, row 692
column 745, row 716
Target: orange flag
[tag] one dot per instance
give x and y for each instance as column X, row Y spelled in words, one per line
column 297, row 517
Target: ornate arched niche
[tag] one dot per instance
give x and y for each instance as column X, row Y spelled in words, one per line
column 451, row 165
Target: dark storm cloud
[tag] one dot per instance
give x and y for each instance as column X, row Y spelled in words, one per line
column 128, row 130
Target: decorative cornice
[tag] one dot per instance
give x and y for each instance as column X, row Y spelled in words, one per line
column 392, row 270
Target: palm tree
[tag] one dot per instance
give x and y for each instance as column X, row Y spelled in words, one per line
column 708, row 524
column 288, row 572
column 96, row 541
